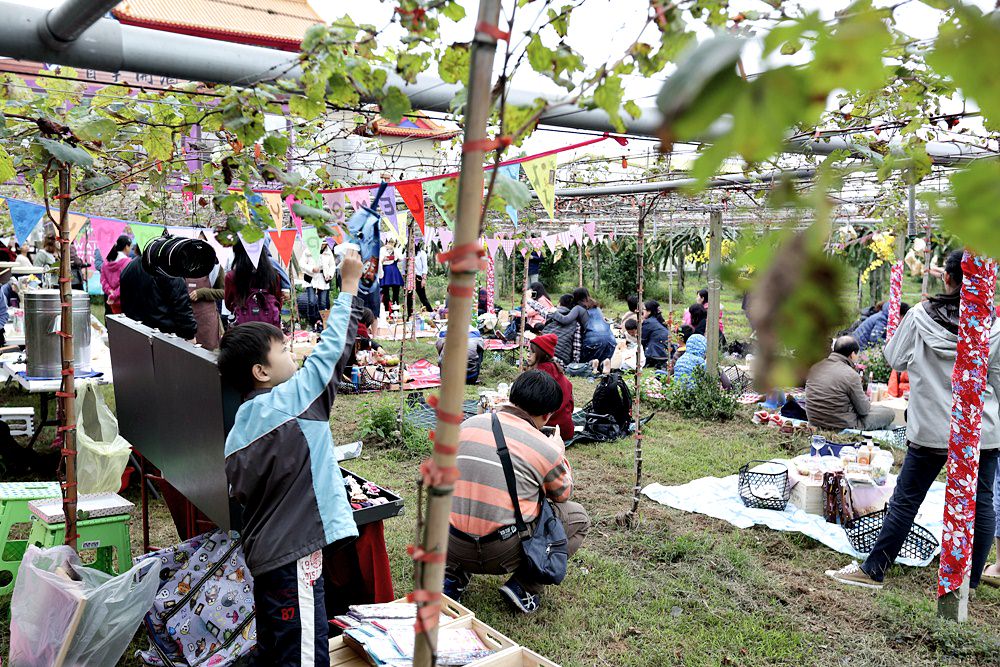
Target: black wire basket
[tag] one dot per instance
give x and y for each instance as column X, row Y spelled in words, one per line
column 764, row 490
column 899, row 437
column 862, row 532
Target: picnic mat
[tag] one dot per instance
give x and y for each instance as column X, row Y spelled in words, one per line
column 719, row 498
column 497, row 345
column 422, row 415
column 423, row 375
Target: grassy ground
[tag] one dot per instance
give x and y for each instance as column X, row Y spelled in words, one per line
column 680, row 589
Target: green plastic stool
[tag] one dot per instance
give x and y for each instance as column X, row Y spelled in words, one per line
column 108, row 535
column 14, row 499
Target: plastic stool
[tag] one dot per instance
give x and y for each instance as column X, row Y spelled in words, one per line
column 14, row 498
column 20, row 420
column 108, row 535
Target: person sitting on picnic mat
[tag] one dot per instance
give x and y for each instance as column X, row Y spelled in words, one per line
column 541, row 356
column 484, row 538
column 282, row 470
column 925, row 345
column 835, row 397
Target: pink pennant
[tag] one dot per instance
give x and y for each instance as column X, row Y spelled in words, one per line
column 508, row 246
column 577, row 234
column 536, row 243
column 359, row 198
column 492, row 245
column 430, row 235
column 591, row 229
column 446, row 236
column 104, row 233
column 552, row 241
column 565, row 239
column 524, row 249
column 334, row 202
column 289, row 202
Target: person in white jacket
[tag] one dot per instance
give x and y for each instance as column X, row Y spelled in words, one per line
column 322, row 274
column 925, row 346
column 420, row 277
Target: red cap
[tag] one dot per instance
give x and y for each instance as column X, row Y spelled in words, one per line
column 546, row 343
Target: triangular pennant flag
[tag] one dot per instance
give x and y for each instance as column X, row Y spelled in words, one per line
column 403, row 219
column 492, row 245
column 524, row 249
column 310, row 237
column 435, row 191
column 513, row 172
column 565, row 239
column 273, row 200
column 536, row 243
column 387, row 206
column 591, row 229
column 283, row 241
column 552, row 241
column 145, row 233
column 223, row 253
column 104, row 233
column 359, row 198
column 542, row 176
column 413, row 197
column 508, row 246
column 296, row 220
column 76, row 223
column 446, row 236
column 333, row 202
column 253, row 249
column 577, row 234
column 430, row 235
column 25, row 217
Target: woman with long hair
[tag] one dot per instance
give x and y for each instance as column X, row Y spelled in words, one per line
column 598, row 341
column 111, row 273
column 655, row 334
column 253, row 294
column 699, row 317
column 389, row 276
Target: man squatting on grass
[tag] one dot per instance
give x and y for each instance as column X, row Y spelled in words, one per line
column 925, row 345
column 282, row 470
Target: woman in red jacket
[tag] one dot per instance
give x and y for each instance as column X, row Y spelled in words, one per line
column 541, row 357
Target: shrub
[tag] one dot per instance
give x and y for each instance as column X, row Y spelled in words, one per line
column 874, row 362
column 379, row 422
column 702, row 398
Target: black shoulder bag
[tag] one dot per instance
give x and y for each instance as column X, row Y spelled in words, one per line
column 543, row 552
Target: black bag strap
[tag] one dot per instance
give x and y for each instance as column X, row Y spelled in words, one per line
column 508, row 473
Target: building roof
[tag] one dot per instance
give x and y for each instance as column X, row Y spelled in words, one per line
column 279, row 24
column 414, row 125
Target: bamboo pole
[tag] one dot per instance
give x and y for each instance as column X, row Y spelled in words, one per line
column 430, row 575
column 524, row 310
column 714, row 285
column 630, row 517
column 67, row 394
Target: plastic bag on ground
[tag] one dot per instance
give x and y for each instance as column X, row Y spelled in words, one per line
column 57, row 620
column 103, row 453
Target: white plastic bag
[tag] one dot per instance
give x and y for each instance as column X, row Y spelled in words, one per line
column 102, row 452
column 56, row 621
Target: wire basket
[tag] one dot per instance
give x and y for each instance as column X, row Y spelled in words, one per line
column 898, row 438
column 862, row 532
column 764, row 490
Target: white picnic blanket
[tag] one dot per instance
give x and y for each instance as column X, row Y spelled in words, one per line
column 719, row 498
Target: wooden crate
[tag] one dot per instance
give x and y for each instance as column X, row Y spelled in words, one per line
column 341, row 655
column 516, row 657
column 807, row 496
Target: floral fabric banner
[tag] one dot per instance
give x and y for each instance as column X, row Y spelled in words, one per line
column 895, row 296
column 968, row 381
column 490, row 283
column 508, row 246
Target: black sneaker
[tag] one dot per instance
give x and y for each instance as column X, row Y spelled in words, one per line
column 520, row 599
column 454, row 588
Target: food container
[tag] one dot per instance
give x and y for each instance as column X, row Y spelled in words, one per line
column 42, row 316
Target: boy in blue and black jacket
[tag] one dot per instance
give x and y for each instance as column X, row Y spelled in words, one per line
column 283, row 471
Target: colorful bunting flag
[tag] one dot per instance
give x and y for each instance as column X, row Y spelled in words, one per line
column 435, row 191
column 513, row 172
column 552, row 241
column 334, row 204
column 446, row 236
column 492, row 245
column 296, row 220
column 360, row 198
column 591, row 229
column 283, row 241
column 145, row 233
column 542, row 176
column 104, row 233
column 185, row 232
column 387, row 206
column 508, row 246
column 565, row 239
column 413, row 197
column 76, row 223
column 576, row 234
column 25, row 217
column 273, row 200
column 310, row 237
column 253, row 249
column 536, row 243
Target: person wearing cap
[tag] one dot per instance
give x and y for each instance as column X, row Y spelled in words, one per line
column 541, row 356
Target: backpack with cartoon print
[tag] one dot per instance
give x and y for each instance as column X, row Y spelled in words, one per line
column 203, row 614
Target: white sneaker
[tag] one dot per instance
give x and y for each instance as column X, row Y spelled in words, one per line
column 853, row 575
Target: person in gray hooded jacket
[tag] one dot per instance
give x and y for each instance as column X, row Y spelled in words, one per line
column 925, row 345
column 566, row 322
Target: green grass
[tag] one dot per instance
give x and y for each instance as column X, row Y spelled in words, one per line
column 679, row 589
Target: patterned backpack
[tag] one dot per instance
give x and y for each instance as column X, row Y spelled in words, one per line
column 203, row 614
column 259, row 306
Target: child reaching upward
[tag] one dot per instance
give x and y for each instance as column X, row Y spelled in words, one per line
column 282, row 470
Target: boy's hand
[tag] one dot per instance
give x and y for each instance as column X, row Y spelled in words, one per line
column 350, row 272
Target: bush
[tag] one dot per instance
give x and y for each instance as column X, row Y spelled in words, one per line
column 874, row 362
column 379, row 422
column 702, row 398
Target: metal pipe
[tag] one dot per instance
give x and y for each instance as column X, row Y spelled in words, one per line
column 681, row 183
column 65, row 23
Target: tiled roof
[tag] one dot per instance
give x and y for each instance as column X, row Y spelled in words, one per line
column 414, row 125
column 274, row 23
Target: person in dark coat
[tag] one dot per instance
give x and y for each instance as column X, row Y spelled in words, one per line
column 655, row 335
column 567, row 322
column 159, row 301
